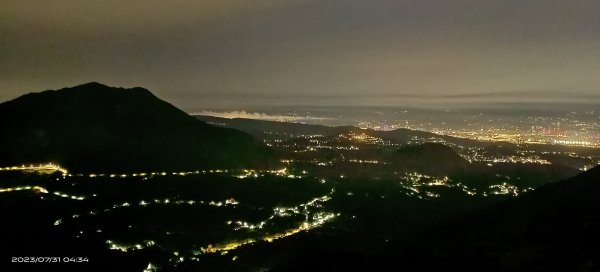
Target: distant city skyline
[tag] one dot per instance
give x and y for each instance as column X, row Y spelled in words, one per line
column 231, row 54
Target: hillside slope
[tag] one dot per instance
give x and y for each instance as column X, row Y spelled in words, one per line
column 94, row 127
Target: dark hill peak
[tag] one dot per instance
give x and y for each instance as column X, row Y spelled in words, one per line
column 92, row 91
column 429, row 158
column 92, row 84
column 100, row 128
column 95, row 87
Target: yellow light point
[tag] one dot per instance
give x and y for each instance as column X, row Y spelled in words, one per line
column 150, row 268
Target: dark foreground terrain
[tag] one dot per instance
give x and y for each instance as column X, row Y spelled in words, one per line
column 271, row 222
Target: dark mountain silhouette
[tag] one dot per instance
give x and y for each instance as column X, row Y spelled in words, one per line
column 554, row 228
column 94, row 127
column 430, row 158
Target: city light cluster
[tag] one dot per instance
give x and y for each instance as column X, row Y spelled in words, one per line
column 130, row 247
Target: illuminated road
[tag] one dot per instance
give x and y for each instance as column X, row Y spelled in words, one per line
column 43, row 168
column 42, row 190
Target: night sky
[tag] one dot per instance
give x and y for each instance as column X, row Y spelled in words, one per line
column 221, row 53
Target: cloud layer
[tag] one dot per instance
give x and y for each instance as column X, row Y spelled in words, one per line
column 257, row 116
